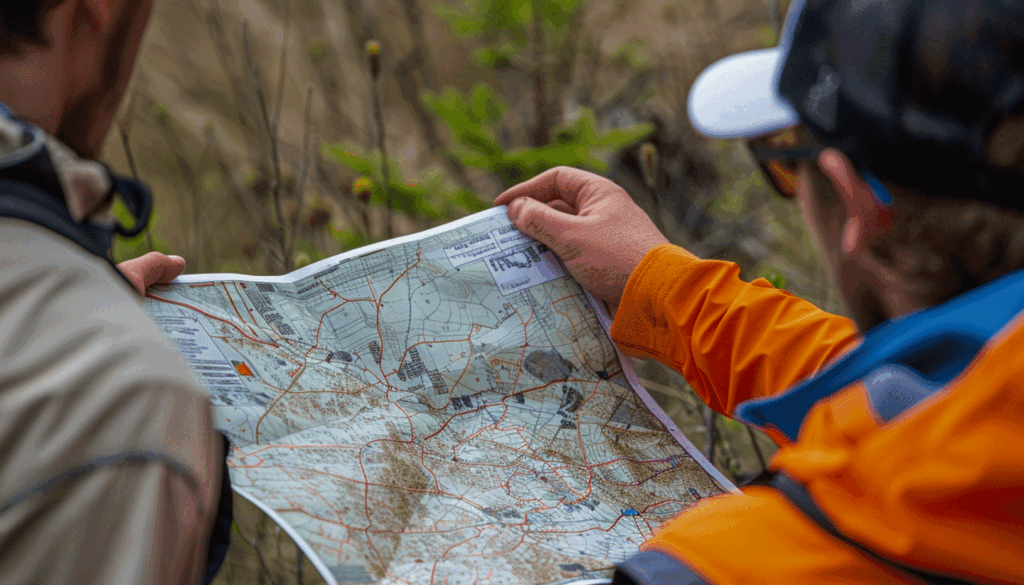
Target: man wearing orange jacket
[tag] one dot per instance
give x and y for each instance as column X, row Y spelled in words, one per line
column 898, row 125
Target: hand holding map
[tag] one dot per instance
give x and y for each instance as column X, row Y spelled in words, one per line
column 441, row 408
column 591, row 223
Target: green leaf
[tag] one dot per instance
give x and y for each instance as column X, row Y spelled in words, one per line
column 318, row 50
column 487, row 107
column 633, row 53
column 471, row 159
column 623, row 137
column 731, row 424
column 462, row 24
column 128, row 248
column 468, row 201
column 350, row 157
column 469, row 122
column 491, row 58
column 558, row 13
column 348, row 239
column 774, row 276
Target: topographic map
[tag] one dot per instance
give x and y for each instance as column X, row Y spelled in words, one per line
column 441, row 408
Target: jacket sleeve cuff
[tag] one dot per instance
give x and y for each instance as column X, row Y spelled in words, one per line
column 654, row 567
column 642, row 306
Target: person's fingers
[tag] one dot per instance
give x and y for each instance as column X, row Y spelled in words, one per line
column 542, row 223
column 152, row 268
column 560, row 183
column 540, row 188
column 562, row 206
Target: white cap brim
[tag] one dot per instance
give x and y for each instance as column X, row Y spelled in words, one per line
column 738, row 97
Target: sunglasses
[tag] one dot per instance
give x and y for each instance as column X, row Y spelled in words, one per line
column 779, row 156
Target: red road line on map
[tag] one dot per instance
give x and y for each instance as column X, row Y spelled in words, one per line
column 379, row 301
column 579, row 430
column 368, row 529
column 419, row 256
column 656, row 504
column 433, row 570
column 214, row 317
column 316, row 340
column 469, row 359
column 256, row 430
column 477, row 409
column 526, row 343
column 230, row 300
column 427, row 342
column 575, row 332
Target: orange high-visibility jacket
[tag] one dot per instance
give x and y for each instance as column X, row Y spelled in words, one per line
column 902, row 451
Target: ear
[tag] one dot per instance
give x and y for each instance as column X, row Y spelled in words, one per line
column 862, row 210
column 98, row 15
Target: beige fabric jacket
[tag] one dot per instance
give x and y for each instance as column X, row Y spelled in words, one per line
column 109, row 462
column 109, row 469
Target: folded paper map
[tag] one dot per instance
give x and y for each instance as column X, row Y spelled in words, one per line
column 445, row 407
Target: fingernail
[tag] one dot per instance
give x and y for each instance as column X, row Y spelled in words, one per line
column 515, row 208
column 175, row 257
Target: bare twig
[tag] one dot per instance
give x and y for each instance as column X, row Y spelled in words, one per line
column 773, row 15
column 257, row 212
column 187, row 172
column 419, row 38
column 757, row 449
column 540, row 129
column 630, row 91
column 244, row 199
column 125, row 128
column 275, row 158
column 259, row 556
column 373, row 50
column 303, row 169
column 279, row 96
column 226, row 56
column 710, row 417
column 198, row 209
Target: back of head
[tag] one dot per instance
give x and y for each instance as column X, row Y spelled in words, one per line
column 936, row 97
column 21, row 23
column 914, row 90
column 926, row 95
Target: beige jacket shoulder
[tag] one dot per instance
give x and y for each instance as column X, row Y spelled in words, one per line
column 109, row 463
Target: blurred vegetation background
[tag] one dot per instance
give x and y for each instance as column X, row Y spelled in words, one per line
column 275, row 133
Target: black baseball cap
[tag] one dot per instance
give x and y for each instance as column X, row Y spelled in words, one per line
column 910, row 90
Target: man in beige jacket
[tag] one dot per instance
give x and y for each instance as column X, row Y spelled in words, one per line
column 110, row 468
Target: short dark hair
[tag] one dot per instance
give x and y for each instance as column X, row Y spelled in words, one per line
column 21, row 22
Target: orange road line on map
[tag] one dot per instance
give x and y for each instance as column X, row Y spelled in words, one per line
column 427, row 342
column 477, row 409
column 469, row 359
column 230, row 300
column 256, row 431
column 380, row 334
column 434, row 569
column 214, row 317
column 526, row 343
column 419, row 256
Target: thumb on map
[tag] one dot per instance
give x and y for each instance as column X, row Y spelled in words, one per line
column 541, row 222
